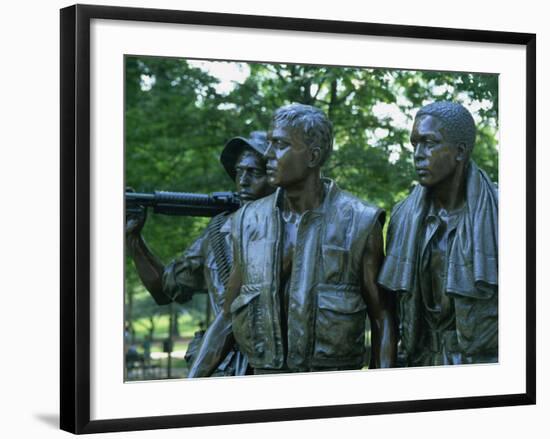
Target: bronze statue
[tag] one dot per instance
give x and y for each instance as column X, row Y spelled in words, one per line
column 306, row 260
column 442, row 247
column 206, row 264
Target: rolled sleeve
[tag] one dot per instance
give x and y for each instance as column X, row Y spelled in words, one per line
column 184, row 276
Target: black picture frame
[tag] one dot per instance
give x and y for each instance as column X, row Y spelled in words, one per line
column 75, row 217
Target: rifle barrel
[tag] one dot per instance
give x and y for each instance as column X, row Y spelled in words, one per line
column 183, row 203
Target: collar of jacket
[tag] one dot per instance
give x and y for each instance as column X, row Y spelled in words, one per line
column 330, row 191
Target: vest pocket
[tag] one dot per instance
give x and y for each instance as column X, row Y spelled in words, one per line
column 339, row 326
column 246, row 315
column 477, row 324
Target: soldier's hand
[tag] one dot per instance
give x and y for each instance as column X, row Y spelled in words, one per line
column 135, row 221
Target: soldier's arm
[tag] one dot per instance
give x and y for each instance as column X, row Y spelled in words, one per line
column 218, row 339
column 185, row 275
column 215, row 345
column 380, row 305
column 149, row 267
column 174, row 282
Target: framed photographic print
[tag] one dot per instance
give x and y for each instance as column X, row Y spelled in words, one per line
column 156, row 111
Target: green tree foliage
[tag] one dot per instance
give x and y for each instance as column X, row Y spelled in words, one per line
column 178, row 117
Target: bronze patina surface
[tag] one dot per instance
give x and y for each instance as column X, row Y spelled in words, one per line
column 442, row 247
column 306, row 259
column 206, row 264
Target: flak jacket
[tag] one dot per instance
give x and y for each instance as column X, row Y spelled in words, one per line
column 326, row 308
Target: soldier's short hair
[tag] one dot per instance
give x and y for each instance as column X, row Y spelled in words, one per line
column 457, row 121
column 312, row 122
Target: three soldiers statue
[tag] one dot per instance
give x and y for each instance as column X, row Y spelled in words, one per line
column 307, row 262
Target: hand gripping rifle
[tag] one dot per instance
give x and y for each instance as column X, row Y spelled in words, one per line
column 182, row 203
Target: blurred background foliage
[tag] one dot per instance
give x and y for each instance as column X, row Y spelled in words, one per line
column 179, row 114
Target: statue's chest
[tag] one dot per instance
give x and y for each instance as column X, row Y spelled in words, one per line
column 290, row 229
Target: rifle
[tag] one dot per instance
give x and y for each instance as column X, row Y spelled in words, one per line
column 182, row 203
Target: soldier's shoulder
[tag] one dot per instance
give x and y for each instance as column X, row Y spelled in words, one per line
column 404, row 206
column 261, row 203
column 256, row 207
column 347, row 202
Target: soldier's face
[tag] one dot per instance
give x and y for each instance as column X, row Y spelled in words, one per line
column 435, row 158
column 287, row 156
column 251, row 179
